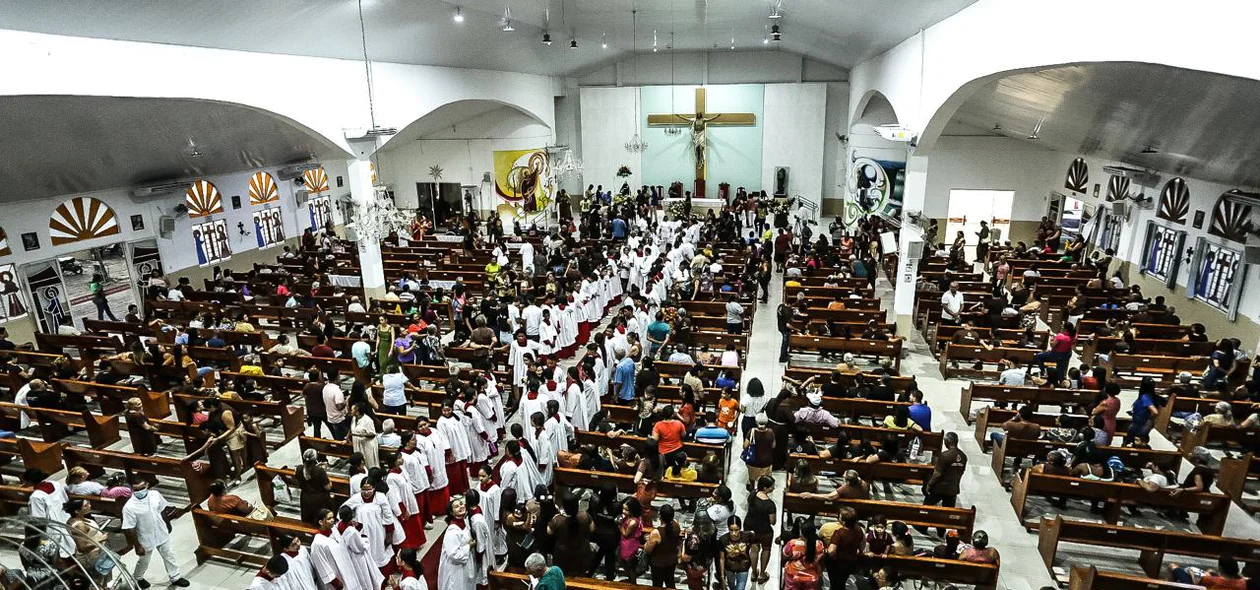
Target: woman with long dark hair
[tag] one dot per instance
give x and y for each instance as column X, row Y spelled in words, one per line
column 662, row 548
column 802, row 556
column 631, row 529
column 605, row 512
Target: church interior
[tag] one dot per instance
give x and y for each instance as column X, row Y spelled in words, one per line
column 221, row 220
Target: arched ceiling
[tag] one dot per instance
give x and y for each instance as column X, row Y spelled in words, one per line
column 1190, row 123
column 422, row 31
column 57, row 145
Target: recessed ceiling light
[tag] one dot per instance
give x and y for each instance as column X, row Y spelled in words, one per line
column 604, row 41
column 459, row 14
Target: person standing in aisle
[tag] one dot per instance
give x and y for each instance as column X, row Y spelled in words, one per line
column 148, row 531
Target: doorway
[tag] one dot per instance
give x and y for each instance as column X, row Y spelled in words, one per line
column 443, row 202
column 108, row 264
column 1073, row 220
column 967, row 208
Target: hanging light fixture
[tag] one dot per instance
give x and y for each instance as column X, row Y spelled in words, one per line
column 546, row 39
column 459, row 14
column 774, row 10
column 507, row 19
column 573, row 43
column 636, row 145
column 547, row 26
column 374, row 130
column 604, row 41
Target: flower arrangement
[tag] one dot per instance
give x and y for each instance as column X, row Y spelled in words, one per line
column 623, row 171
column 674, row 210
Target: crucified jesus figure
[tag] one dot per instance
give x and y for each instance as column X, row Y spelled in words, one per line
column 700, row 139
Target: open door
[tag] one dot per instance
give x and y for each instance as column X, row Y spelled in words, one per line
column 145, row 259
column 48, row 292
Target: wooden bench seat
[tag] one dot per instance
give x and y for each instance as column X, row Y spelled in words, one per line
column 1090, row 578
column 879, row 349
column 891, row 472
column 929, row 441
column 37, row 454
column 1023, row 395
column 1233, row 478
column 695, row 451
column 967, row 355
column 267, row 475
column 197, row 483
column 55, row 425
column 216, row 531
column 1154, row 544
column 291, row 418
column 1018, row 448
column 564, row 477
column 13, row 498
column 1212, row 508
column 961, row 519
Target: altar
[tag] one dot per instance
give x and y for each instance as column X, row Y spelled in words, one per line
column 699, row 206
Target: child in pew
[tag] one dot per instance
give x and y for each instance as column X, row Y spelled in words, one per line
column 78, row 483
column 1226, row 576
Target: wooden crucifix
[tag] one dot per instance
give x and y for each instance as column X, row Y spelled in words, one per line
column 699, row 123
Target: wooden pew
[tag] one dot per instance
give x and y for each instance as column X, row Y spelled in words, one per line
column 961, row 519
column 929, row 441
column 292, row 418
column 1095, row 346
column 55, row 425
column 890, row 472
column 267, row 475
column 1153, row 544
column 695, row 451
column 1021, row 395
column 14, row 498
column 988, row 418
column 1129, row 369
column 1212, row 508
column 1017, row 448
column 1233, row 477
column 1207, row 435
column 97, row 460
column 112, row 398
column 1090, row 578
column 216, row 531
column 516, row 580
column 875, row 348
column 37, row 454
column 1203, row 405
column 966, row 355
column 564, row 477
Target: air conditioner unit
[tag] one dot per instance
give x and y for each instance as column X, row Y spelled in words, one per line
column 300, row 196
column 166, row 226
column 158, row 191
column 295, row 171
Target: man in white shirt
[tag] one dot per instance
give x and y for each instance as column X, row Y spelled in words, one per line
column 355, row 305
column 394, row 397
column 1011, row 375
column 147, row 531
column 335, row 406
column 951, row 305
column 175, row 295
column 532, row 318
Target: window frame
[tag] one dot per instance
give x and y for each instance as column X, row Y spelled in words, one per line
column 1174, row 241
column 1228, row 303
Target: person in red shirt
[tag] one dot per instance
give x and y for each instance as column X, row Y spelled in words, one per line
column 321, row 348
column 1060, row 351
column 669, row 434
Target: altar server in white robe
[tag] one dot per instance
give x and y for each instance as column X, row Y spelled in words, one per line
column 410, row 532
column 513, row 473
column 363, row 435
column 521, row 346
column 548, row 333
column 534, row 401
column 599, row 372
column 575, row 401
column 543, row 448
column 301, row 574
column 359, row 572
column 415, row 466
column 495, row 394
column 434, row 445
column 48, row 501
column 410, row 571
column 476, row 429
column 590, row 393
column 567, row 319
column 558, row 428
column 491, row 496
column 527, row 257
column 271, row 576
column 377, row 518
column 457, row 566
column 327, row 556
column 483, row 557
column 456, row 435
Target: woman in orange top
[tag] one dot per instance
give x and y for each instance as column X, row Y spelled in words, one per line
column 802, row 555
column 728, row 411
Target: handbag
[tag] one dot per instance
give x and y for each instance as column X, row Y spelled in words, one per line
column 527, row 543
column 750, row 453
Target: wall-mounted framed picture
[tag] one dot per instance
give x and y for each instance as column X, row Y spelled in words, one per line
column 236, row 201
column 1198, row 219
column 137, row 222
column 340, row 181
column 30, row 241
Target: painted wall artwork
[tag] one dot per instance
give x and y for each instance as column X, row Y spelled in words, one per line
column 12, row 304
column 4, row 244
column 48, row 293
column 268, row 227
column 319, row 209
column 523, row 179
column 211, row 242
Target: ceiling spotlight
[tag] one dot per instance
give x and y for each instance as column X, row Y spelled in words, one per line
column 604, row 41
column 546, row 38
column 459, row 14
column 996, row 128
column 765, row 40
column 507, row 26
column 573, row 43
column 775, row 35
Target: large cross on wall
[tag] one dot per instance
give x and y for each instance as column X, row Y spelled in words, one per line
column 699, row 122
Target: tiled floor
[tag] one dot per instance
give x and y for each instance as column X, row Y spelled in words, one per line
column 1022, row 567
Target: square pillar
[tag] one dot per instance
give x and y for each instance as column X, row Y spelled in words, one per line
column 362, row 191
column 913, row 199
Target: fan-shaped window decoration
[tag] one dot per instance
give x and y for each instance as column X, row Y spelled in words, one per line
column 81, row 218
column 4, row 243
column 1230, row 218
column 316, row 180
column 203, row 199
column 262, row 189
column 1077, row 176
column 1117, row 188
column 1174, row 201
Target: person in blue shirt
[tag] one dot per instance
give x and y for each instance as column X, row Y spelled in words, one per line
column 711, row 433
column 619, row 228
column 920, row 413
column 1143, row 411
column 657, row 333
column 623, row 376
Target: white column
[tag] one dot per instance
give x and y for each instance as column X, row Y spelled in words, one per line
column 913, row 199
column 361, row 191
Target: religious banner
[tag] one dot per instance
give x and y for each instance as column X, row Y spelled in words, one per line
column 211, row 242
column 320, row 211
column 49, row 295
column 146, row 258
column 523, row 179
column 268, row 228
column 875, row 188
column 12, row 305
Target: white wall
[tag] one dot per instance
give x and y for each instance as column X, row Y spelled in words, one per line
column 326, row 95
column 608, row 121
column 794, row 130
column 834, row 156
column 743, row 66
column 996, row 163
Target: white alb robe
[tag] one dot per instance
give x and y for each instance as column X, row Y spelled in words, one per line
column 575, row 406
column 49, row 504
column 402, row 497
column 483, row 558
column 434, row 446
column 328, row 559
column 456, row 570
column 456, row 436
column 301, row 574
column 360, row 572
column 518, row 478
column 414, row 464
column 373, row 517
column 477, row 433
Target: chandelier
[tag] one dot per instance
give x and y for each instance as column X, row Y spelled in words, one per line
column 636, row 145
column 567, row 165
column 374, row 220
